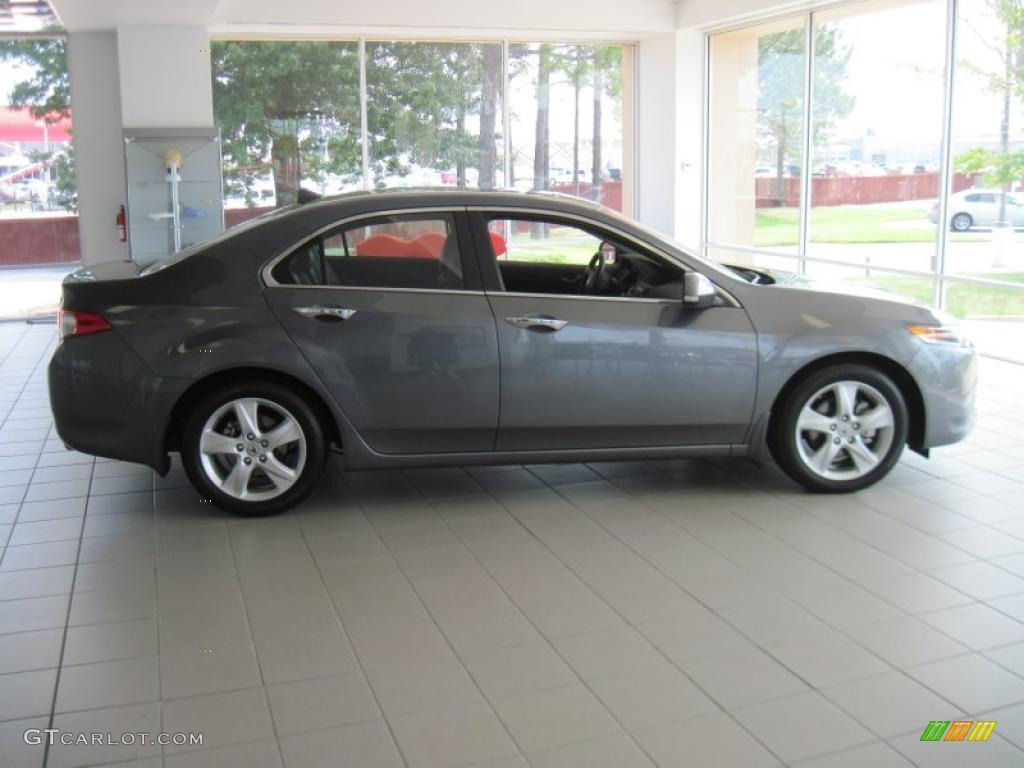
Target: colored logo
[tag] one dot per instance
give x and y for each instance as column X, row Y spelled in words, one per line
column 958, row 730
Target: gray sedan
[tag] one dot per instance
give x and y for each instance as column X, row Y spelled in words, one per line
column 423, row 328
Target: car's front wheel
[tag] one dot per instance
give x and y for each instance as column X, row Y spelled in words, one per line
column 840, row 429
column 961, row 222
column 253, row 448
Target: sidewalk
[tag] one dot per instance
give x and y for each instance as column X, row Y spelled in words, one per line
column 31, row 291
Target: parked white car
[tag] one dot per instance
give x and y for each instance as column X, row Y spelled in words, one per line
column 980, row 208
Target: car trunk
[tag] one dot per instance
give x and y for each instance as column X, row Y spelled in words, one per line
column 93, row 287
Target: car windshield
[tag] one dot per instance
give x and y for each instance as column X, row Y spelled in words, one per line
column 183, row 254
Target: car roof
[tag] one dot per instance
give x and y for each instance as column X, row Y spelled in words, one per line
column 425, row 196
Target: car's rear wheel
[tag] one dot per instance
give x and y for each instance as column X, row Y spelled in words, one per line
column 961, row 222
column 254, row 448
column 840, row 429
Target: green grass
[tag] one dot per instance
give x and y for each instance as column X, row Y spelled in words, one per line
column 962, row 300
column 848, row 224
column 561, row 246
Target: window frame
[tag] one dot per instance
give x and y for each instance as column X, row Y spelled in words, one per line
column 471, row 277
column 488, row 263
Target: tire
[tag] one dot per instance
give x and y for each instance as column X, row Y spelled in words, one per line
column 825, row 448
column 961, row 222
column 267, row 473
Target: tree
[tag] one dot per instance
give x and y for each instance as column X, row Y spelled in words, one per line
column 541, row 153
column 1006, row 79
column 780, row 75
column 47, row 91
column 489, row 118
column 575, row 62
column 268, row 95
column 607, row 80
column 424, row 100
column 47, row 95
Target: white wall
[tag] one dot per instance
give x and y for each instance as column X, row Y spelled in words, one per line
column 481, row 18
column 99, row 149
column 527, row 18
column 689, row 135
column 165, row 77
column 702, row 14
column 657, row 171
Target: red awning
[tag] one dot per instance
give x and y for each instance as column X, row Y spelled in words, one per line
column 20, row 125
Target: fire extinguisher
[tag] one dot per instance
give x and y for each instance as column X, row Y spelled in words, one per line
column 122, row 225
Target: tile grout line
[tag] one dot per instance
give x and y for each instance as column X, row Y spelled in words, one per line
column 355, row 654
column 583, row 682
column 765, row 650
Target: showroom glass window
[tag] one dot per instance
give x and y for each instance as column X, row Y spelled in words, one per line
column 570, row 118
column 533, row 116
column 908, row 176
column 38, row 194
column 755, row 175
column 986, row 229
column 289, row 116
column 434, row 114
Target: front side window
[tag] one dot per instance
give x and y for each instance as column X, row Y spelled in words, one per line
column 398, row 251
column 535, row 254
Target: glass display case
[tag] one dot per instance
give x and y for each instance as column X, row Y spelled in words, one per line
column 175, row 195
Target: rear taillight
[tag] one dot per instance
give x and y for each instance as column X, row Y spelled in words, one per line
column 71, row 322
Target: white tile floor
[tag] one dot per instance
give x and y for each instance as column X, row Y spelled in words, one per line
column 670, row 613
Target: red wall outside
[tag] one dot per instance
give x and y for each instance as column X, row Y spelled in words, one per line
column 610, row 194
column 39, row 240
column 856, row 190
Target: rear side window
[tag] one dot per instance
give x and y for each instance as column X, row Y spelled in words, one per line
column 980, row 197
column 401, row 251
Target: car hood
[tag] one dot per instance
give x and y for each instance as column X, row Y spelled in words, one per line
column 846, row 288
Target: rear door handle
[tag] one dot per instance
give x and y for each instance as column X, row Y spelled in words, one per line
column 537, row 322
column 325, row 313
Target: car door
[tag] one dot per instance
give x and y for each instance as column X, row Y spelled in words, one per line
column 581, row 371
column 983, row 208
column 387, row 309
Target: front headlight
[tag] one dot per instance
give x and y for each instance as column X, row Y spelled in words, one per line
column 938, row 334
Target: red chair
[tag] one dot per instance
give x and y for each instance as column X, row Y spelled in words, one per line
column 428, row 245
column 498, row 244
column 382, row 246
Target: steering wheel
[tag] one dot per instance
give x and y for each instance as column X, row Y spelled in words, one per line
column 594, row 273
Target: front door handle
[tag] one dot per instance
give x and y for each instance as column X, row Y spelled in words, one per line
column 325, row 313
column 537, row 322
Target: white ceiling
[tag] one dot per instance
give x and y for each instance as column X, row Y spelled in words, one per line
column 450, row 18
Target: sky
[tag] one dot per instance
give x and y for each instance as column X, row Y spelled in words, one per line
column 895, row 72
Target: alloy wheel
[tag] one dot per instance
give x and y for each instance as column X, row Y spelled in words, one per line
column 252, row 449
column 844, row 430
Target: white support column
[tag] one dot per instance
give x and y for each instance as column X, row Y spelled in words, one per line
column 669, row 133
column 96, row 136
column 165, row 77
column 657, row 168
column 690, row 126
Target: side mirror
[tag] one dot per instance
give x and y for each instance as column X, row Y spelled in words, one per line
column 698, row 290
